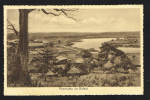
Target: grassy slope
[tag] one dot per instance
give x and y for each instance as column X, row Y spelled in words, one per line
column 94, row 80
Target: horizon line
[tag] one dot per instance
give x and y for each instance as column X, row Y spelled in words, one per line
column 84, row 32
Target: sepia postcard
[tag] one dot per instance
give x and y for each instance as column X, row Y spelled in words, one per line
column 73, row 50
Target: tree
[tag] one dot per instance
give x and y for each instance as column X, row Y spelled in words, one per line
column 59, row 42
column 46, row 57
column 21, row 57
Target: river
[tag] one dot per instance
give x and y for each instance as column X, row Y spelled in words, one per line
column 96, row 43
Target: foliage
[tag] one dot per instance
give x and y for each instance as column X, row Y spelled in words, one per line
column 12, row 36
column 10, row 64
column 95, row 80
column 13, row 70
column 46, row 59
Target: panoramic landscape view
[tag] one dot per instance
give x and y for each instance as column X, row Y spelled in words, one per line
column 73, row 47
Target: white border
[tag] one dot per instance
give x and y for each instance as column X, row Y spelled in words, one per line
column 55, row 90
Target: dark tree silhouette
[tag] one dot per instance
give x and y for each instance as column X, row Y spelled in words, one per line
column 59, row 42
column 21, row 57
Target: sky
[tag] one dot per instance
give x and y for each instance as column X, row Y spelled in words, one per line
column 87, row 20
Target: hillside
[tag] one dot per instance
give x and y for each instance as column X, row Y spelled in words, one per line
column 79, row 35
column 86, row 35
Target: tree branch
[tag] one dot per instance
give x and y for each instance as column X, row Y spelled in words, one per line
column 8, row 25
column 10, row 28
column 13, row 28
column 70, row 10
column 30, row 10
column 44, row 11
column 62, row 11
column 67, row 15
column 57, row 9
column 65, row 9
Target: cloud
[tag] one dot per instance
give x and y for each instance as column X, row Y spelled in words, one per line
column 45, row 23
column 90, row 24
column 91, row 20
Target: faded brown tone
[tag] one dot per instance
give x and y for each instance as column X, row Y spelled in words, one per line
column 75, row 59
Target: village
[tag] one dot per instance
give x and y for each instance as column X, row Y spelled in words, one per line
column 73, row 50
column 57, row 62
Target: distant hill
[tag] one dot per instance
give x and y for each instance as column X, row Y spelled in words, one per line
column 79, row 35
column 85, row 34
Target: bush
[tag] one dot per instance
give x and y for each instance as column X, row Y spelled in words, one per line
column 95, row 80
column 15, row 75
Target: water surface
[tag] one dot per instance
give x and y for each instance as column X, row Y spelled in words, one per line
column 96, row 43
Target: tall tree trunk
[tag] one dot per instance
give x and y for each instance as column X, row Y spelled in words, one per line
column 23, row 37
column 22, row 51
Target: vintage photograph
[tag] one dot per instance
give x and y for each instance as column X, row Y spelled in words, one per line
column 73, row 46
